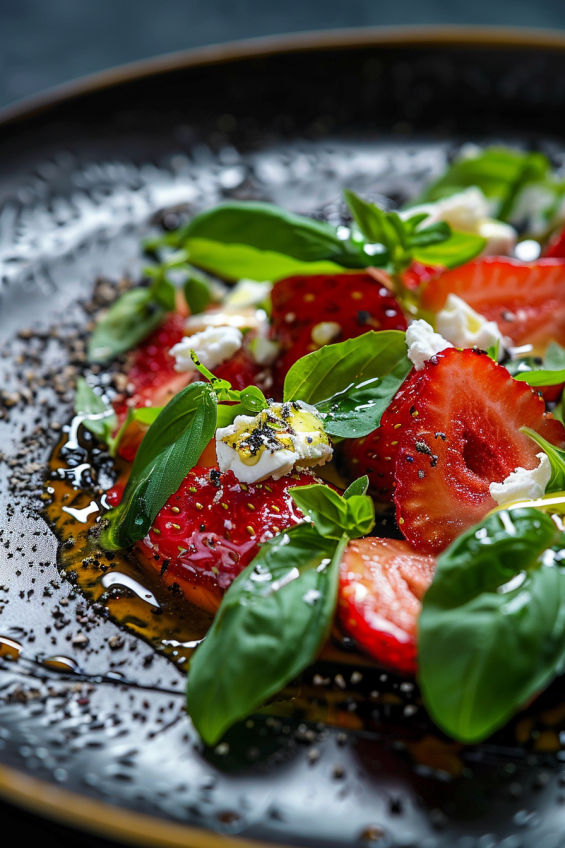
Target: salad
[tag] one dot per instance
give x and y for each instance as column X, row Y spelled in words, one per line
column 353, row 429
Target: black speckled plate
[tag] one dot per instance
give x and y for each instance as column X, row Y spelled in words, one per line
column 92, row 726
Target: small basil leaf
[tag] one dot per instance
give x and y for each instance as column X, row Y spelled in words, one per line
column 492, row 626
column 333, row 514
column 269, row 228
column 228, row 412
column 163, row 293
column 381, row 227
column 434, row 234
column 493, row 350
column 499, row 172
column 271, row 624
column 541, row 377
column 319, row 376
column 197, row 293
column 128, row 321
column 556, row 460
column 170, row 449
column 458, row 249
column 253, row 399
column 532, row 371
column 358, row 487
column 240, row 261
column 97, row 414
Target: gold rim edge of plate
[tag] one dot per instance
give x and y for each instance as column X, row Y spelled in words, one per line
column 39, row 796
column 85, row 813
column 496, row 37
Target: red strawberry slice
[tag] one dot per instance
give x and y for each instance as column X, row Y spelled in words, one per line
column 211, row 528
column 418, row 274
column 382, row 583
column 556, row 247
column 309, row 312
column 524, row 298
column 463, row 433
column 375, row 454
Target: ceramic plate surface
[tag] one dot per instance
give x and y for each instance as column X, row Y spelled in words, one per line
column 92, row 723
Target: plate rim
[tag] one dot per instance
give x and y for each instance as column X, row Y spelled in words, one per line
column 39, row 796
column 494, row 37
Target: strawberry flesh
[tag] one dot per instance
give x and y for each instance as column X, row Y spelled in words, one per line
column 524, row 298
column 349, row 304
column 462, row 433
column 382, row 583
column 211, row 528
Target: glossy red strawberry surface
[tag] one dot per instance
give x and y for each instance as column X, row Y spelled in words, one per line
column 524, row 298
column 211, row 528
column 310, row 311
column 375, row 454
column 556, row 247
column 382, row 583
column 462, row 433
column 418, row 274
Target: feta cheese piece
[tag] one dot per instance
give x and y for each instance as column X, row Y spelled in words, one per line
column 325, row 332
column 264, row 350
column 522, row 484
column 468, row 211
column 463, row 327
column 247, row 293
column 212, row 346
column 423, row 343
column 273, row 442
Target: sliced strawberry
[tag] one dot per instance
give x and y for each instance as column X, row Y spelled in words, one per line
column 211, row 528
column 382, row 583
column 463, row 433
column 309, row 312
column 556, row 247
column 375, row 454
column 418, row 274
column 524, row 298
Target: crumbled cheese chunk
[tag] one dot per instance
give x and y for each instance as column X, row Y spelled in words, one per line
column 468, row 211
column 463, row 327
column 212, row 346
column 247, row 293
column 522, row 484
column 273, row 442
column 423, row 343
column 264, row 350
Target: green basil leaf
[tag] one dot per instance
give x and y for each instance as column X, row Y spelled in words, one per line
column 320, row 375
column 499, row 172
column 240, row 261
column 434, row 234
column 376, row 225
column 458, row 249
column 556, row 460
column 170, row 449
column 164, row 293
column 253, row 399
column 332, row 514
column 97, row 414
column 128, row 321
column 197, row 293
column 534, row 372
column 492, row 626
column 270, row 626
column 358, row 487
column 228, row 412
column 493, row 350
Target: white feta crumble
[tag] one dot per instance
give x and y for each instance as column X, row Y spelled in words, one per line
column 273, row 442
column 212, row 346
column 325, row 332
column 463, row 327
column 423, row 343
column 522, row 484
column 264, row 350
column 468, row 211
column 247, row 293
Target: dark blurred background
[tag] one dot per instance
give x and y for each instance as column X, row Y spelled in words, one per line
column 47, row 42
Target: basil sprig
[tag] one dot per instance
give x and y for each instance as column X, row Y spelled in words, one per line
column 127, row 323
column 500, row 173
column 556, row 458
column 351, row 383
column 403, row 240
column 170, row 449
column 492, row 627
column 534, row 372
column 275, row 616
